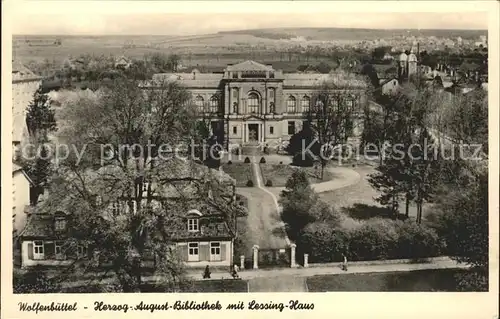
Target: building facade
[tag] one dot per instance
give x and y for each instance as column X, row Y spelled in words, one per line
column 252, row 103
column 24, row 85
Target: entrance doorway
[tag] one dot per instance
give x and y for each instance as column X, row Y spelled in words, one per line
column 253, row 132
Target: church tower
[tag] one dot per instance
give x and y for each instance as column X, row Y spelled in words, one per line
column 402, row 66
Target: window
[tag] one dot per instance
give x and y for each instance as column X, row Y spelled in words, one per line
column 82, row 251
column 271, row 93
column 116, row 208
column 58, row 250
column 193, row 224
column 253, row 103
column 215, row 254
column 193, row 252
column 199, row 104
column 235, row 130
column 134, row 207
column 235, row 94
column 145, row 186
column 304, row 104
column 38, row 249
column 271, row 130
column 60, row 224
column 235, row 108
column 291, row 128
column 291, row 105
column 214, row 104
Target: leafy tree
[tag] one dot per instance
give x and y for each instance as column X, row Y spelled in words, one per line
column 296, row 200
column 297, row 145
column 40, row 120
column 40, row 117
column 462, row 220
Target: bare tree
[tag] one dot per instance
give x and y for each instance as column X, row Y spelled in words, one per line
column 335, row 102
column 127, row 192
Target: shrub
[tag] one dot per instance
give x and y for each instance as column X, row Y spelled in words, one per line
column 247, row 160
column 262, row 160
column 34, row 280
column 416, row 241
column 374, row 240
column 229, row 162
column 249, row 183
column 322, row 242
column 269, row 183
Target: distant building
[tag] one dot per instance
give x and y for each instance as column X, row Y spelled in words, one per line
column 122, row 63
column 253, row 103
column 389, row 86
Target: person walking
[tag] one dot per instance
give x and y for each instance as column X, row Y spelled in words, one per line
column 235, row 271
column 206, row 274
column 344, row 262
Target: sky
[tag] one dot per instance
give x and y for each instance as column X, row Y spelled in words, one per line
column 112, row 18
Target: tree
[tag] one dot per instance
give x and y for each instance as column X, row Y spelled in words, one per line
column 40, row 117
column 297, row 145
column 462, row 220
column 330, row 117
column 40, row 120
column 410, row 161
column 296, row 200
column 116, row 190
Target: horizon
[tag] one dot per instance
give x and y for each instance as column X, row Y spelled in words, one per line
column 252, row 29
column 99, row 23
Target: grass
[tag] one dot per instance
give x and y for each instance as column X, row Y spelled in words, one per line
column 279, row 173
column 418, row 280
column 215, row 286
column 241, row 172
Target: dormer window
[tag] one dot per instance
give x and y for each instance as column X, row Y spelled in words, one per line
column 60, row 221
column 193, row 224
column 193, row 220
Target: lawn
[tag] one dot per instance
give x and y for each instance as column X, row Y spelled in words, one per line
column 241, row 172
column 418, row 280
column 358, row 201
column 227, row 285
column 279, row 174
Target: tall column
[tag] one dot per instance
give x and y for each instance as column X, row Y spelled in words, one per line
column 255, row 256
column 293, row 263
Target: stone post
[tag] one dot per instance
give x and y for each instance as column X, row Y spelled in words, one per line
column 293, row 263
column 255, row 256
column 242, row 262
column 306, row 260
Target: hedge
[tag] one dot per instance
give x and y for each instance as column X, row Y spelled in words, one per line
column 377, row 239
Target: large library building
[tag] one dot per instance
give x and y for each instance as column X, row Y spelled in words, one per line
column 252, row 103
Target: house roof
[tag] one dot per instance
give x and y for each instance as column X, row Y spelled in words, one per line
column 39, row 226
column 248, row 66
column 21, row 72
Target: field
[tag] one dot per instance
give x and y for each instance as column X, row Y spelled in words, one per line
column 420, row 280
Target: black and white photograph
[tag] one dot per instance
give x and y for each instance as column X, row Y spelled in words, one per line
column 251, row 152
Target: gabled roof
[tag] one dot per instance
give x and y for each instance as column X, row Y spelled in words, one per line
column 249, row 66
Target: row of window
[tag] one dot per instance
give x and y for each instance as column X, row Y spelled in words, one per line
column 291, row 128
column 253, row 104
column 54, row 250
column 194, row 251
column 214, row 104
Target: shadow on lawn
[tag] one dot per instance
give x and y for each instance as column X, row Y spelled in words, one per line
column 363, row 211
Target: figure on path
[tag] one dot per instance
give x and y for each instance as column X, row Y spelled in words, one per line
column 206, row 274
